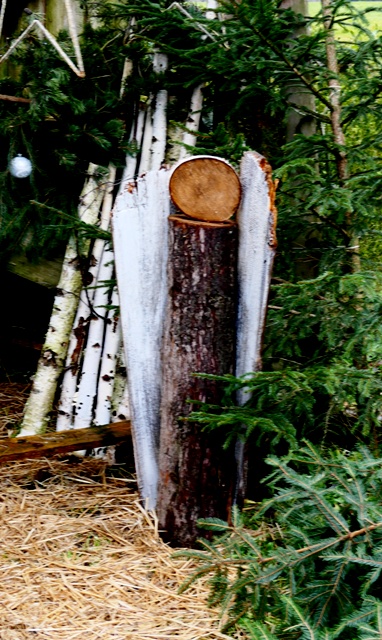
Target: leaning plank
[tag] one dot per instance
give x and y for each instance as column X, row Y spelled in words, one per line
column 63, row 442
column 140, row 244
column 196, row 475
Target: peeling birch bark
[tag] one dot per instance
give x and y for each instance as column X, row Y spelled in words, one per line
column 257, row 247
column 140, row 244
column 257, row 219
column 52, row 360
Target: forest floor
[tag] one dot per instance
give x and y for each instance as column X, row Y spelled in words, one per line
column 81, row 559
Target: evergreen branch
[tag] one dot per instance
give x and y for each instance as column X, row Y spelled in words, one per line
column 315, row 548
column 301, row 617
column 285, row 59
column 315, row 114
column 92, row 230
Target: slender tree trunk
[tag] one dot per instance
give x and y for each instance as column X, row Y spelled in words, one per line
column 196, row 476
column 52, row 360
column 298, row 95
column 335, row 116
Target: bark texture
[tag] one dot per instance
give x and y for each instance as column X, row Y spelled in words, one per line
column 196, row 476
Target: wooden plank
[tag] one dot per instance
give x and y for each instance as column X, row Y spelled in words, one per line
column 38, row 446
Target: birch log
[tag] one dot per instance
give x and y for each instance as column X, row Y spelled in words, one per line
column 257, row 220
column 80, row 326
column 120, row 403
column 52, row 360
column 87, row 388
column 197, row 476
column 140, row 245
column 108, row 364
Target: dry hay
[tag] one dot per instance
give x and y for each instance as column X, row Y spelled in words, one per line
column 80, row 559
column 13, row 396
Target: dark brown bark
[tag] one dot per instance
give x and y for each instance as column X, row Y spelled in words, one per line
column 197, row 477
column 64, row 441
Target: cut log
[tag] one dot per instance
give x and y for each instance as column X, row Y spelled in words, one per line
column 140, row 244
column 257, row 248
column 197, row 476
column 64, row 441
column 257, row 220
column 206, row 188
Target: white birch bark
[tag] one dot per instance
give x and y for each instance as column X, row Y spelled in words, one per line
column 112, row 342
column 52, row 360
column 131, row 161
column 72, row 364
column 257, row 247
column 2, row 14
column 140, row 244
column 87, row 388
column 193, row 121
column 159, row 131
column 74, row 35
column 144, row 163
column 120, row 404
column 111, row 347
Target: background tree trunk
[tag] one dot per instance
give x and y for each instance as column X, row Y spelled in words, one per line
column 196, row 476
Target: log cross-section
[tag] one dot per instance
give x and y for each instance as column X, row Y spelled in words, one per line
column 39, row 446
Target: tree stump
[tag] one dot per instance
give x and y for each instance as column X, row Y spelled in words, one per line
column 197, row 476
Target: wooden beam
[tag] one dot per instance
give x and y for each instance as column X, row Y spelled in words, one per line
column 15, row 99
column 64, row 441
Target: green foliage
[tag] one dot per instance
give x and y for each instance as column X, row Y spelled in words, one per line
column 69, row 123
column 305, row 563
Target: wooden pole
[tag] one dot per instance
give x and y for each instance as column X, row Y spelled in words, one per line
column 197, row 476
column 51, row 443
